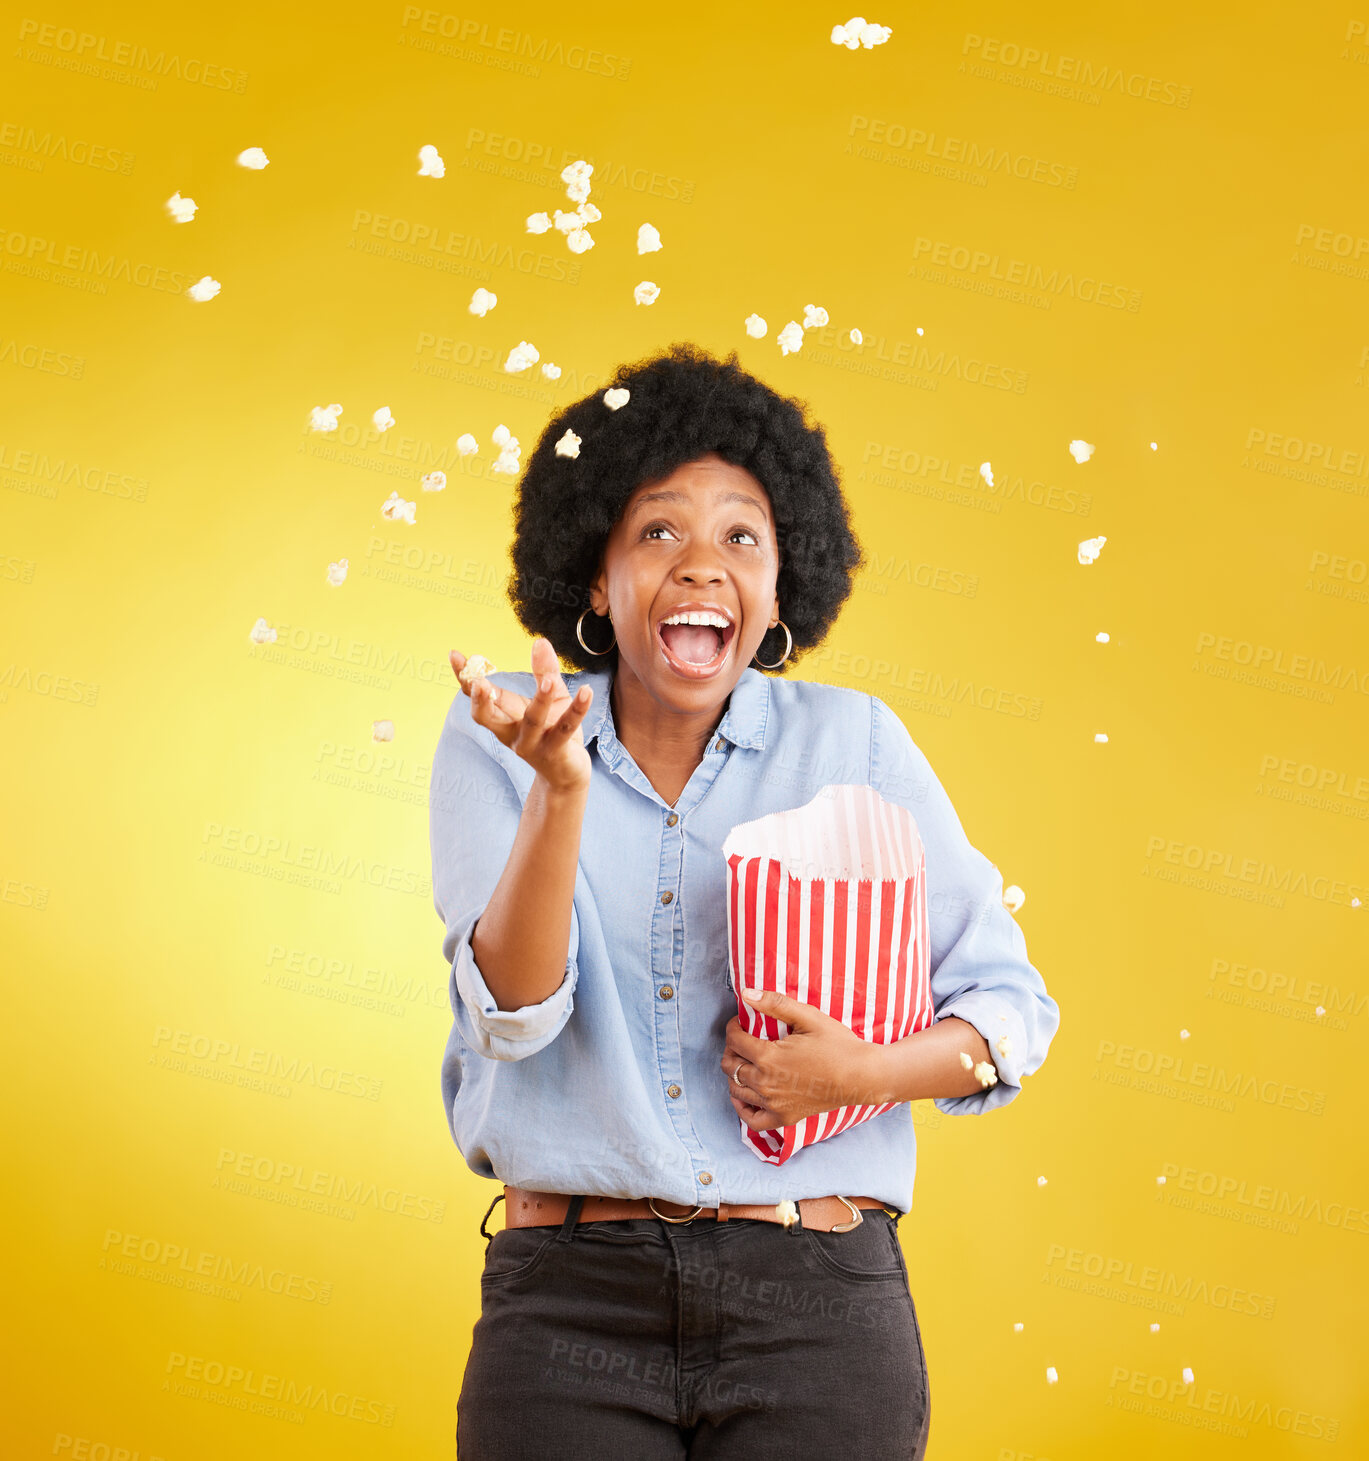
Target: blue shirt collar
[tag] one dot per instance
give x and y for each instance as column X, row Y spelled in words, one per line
column 743, row 723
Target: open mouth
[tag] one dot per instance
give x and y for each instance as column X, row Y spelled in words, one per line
column 694, row 649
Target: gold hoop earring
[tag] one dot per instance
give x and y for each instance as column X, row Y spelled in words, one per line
column 581, row 637
column 784, row 656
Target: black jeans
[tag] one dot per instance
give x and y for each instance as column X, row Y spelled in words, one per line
column 641, row 1339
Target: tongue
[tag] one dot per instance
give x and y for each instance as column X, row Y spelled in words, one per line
column 697, row 644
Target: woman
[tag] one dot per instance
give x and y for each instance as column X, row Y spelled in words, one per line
column 645, row 1298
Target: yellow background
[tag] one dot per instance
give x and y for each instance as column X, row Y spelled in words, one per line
column 165, row 492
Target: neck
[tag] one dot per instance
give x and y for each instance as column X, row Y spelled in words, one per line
column 670, row 742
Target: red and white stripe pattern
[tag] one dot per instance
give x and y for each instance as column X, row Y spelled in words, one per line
column 851, row 937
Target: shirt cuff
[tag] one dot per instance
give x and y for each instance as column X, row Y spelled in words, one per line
column 505, row 1034
column 994, row 1018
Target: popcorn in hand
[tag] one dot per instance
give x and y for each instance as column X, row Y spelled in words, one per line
column 986, row 471
column 646, row 292
column 578, row 241
column 181, row 209
column 755, row 326
column 324, row 418
column 337, row 573
column 262, row 633
column 788, row 1214
column 616, row 397
column 432, row 164
column 383, row 419
column 521, row 357
column 552, row 372
column 569, row 444
column 986, row 1074
column 967, row 1060
column 857, row 338
column 539, row 222
column 1081, row 451
column 434, row 482
column 475, row 668
column 813, row 316
column 1013, row 898
column 203, row 289
column 382, row 730
column 254, row 158
column 648, row 239
column 790, row 338
column 397, row 509
column 467, row 445
column 1090, row 548
column 482, row 302
column 856, row 33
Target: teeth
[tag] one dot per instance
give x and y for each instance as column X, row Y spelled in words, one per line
column 701, row 616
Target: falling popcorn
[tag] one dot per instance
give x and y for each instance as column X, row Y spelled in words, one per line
column 521, row 357
column 1081, row 451
column 1051, row 1376
column 324, row 418
column 648, row 239
column 1040, row 1181
column 434, row 482
column 576, row 176
column 475, row 668
column 262, row 633
column 967, row 1060
column 1161, row 1180
column 467, row 445
column 1100, row 738
column 397, row 510
column 1354, row 902
column 1321, row 1010
column 203, row 289
column 382, row 730
column 509, row 451
column 1090, row 548
column 383, row 419
column 1102, row 636
column 482, row 302
column 919, row 329
column 857, row 338
column 1188, row 1375
column 501, row 435
column 254, row 158
column 1004, row 1046
column 578, row 241
column 433, row 166
column 790, row 338
column 646, row 292
column 337, row 573
column 986, row 471
column 788, row 1214
column 1013, row 898
column 1017, row 1328
column 1183, row 1034
column 985, row 1074
column 1155, row 446
column 552, row 372
column 616, row 397
column 569, row 444
column 755, row 326
column 181, row 209
column 814, row 316
column 506, row 462
column 1154, row 1328
column 856, row 33
column 539, row 222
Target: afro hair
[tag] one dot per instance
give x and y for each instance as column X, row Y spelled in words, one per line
column 684, row 403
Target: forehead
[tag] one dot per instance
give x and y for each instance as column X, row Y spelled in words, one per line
column 707, row 481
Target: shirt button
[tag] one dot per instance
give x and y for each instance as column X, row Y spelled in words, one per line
column 672, row 1092
column 667, row 896
column 666, row 992
column 705, row 1178
column 671, row 820
column 718, row 745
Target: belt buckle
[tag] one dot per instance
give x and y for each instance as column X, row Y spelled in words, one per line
column 858, row 1216
column 666, row 1218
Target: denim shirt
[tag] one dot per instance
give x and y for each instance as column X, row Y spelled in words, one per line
column 611, row 1085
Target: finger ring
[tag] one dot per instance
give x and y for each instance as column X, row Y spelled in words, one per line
column 737, row 1075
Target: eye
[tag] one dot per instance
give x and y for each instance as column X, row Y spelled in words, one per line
column 747, row 531
column 651, row 528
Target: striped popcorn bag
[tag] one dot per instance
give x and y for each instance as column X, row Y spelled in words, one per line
column 828, row 904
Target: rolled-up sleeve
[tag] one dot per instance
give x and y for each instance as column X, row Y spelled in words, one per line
column 473, row 814
column 980, row 971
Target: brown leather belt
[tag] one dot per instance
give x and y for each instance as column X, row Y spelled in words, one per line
column 524, row 1209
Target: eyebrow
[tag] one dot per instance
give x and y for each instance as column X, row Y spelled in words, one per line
column 666, row 494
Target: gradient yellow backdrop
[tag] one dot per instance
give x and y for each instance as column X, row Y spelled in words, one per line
column 229, row 1177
